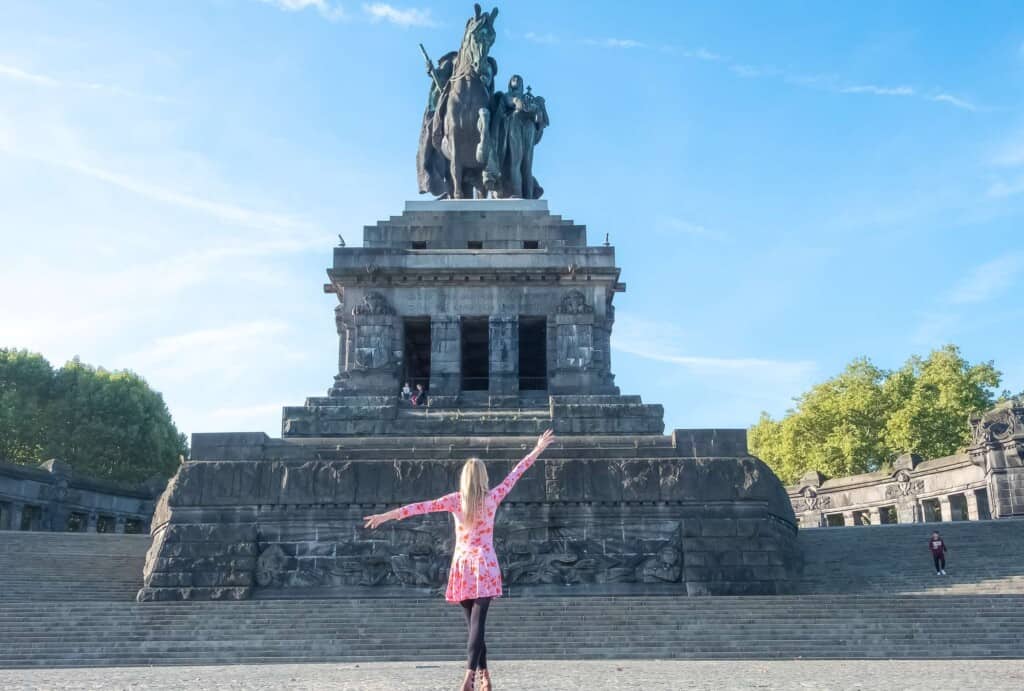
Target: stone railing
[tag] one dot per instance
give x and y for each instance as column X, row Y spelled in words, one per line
column 51, row 497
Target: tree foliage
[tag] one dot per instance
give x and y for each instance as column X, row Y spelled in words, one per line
column 860, row 420
column 104, row 424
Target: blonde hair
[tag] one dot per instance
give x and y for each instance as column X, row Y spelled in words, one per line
column 473, row 488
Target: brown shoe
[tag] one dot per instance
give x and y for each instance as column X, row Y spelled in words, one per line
column 483, row 680
column 468, row 683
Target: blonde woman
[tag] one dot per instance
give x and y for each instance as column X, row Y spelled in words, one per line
column 474, row 577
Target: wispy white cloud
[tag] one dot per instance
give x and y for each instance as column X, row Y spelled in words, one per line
column 667, row 225
column 1010, row 153
column 383, row 12
column 223, row 211
column 954, row 101
column 18, row 74
column 331, row 11
column 876, row 90
column 662, row 342
column 614, row 42
column 545, row 39
column 1006, row 188
column 988, row 280
column 227, row 352
column 13, row 73
column 702, row 54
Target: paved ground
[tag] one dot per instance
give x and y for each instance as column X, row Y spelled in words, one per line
column 897, row 675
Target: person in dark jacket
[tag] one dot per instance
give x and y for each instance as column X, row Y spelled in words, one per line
column 938, row 547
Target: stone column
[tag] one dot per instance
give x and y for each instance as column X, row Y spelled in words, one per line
column 119, row 524
column 909, row 511
column 946, row 509
column 445, row 361
column 17, row 511
column 972, row 504
column 93, row 524
column 848, row 518
column 875, row 514
column 503, row 375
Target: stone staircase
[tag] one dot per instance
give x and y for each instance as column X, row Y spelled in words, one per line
column 864, row 598
column 985, row 557
column 116, row 634
column 47, row 567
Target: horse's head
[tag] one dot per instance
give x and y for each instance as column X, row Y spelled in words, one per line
column 477, row 41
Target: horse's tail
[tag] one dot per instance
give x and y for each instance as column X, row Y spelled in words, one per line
column 483, row 124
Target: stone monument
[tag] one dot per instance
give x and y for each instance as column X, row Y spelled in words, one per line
column 502, row 313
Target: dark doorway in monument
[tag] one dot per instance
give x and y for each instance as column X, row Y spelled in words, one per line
column 77, row 522
column 5, row 516
column 958, row 508
column 835, row 520
column 533, row 353
column 981, row 496
column 106, row 524
column 417, row 351
column 133, row 526
column 887, row 515
column 475, row 337
column 862, row 517
column 31, row 517
column 931, row 510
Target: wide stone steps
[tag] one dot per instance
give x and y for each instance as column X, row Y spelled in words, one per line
column 87, row 634
column 48, row 567
column 984, row 556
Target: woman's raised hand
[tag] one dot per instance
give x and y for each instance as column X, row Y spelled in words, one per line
column 375, row 521
column 544, row 440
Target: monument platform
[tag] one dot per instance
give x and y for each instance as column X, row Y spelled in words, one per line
column 501, row 314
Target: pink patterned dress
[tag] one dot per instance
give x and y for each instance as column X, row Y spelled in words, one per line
column 474, row 572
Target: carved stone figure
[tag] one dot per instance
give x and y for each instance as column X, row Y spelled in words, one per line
column 518, row 122
column 432, row 168
column 574, row 302
column 999, row 424
column 459, row 129
column 473, row 140
column 373, row 304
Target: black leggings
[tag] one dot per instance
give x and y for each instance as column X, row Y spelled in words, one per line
column 940, row 561
column 476, row 617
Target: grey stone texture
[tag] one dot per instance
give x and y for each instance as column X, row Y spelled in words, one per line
column 615, row 507
column 986, row 481
column 52, row 497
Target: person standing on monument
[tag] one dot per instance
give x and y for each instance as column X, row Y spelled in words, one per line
column 938, row 547
column 474, row 577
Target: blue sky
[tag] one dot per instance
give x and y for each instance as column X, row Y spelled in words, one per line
column 788, row 185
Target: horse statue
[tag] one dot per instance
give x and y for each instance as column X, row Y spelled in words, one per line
column 462, row 120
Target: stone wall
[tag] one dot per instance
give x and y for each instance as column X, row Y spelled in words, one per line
column 986, row 481
column 51, row 497
column 287, row 521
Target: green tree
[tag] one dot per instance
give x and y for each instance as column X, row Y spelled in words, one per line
column 935, row 396
column 25, row 383
column 104, row 424
column 860, row 420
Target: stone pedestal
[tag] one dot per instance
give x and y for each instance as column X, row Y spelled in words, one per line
column 670, row 516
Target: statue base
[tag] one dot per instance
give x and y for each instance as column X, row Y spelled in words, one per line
column 687, row 514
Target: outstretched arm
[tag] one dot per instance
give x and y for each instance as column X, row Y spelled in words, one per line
column 449, row 502
column 502, row 490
